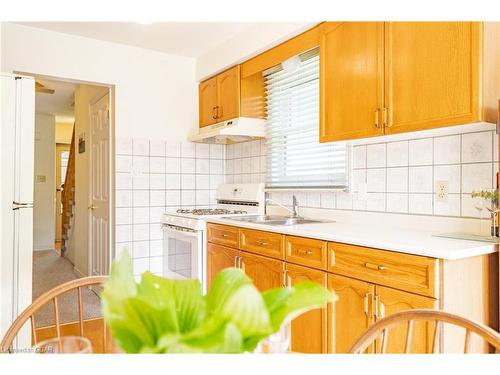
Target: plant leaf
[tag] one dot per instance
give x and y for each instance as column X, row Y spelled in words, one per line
column 225, row 283
column 290, row 302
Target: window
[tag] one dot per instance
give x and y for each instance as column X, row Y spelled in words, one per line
column 295, row 158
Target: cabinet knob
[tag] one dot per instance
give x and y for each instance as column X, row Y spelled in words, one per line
column 376, row 267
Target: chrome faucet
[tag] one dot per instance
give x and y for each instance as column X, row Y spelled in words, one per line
column 295, row 206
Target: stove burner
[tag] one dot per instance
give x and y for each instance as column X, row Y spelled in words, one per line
column 210, row 211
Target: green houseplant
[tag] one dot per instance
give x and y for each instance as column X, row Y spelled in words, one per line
column 159, row 315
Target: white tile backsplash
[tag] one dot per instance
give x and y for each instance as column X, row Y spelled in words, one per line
column 420, row 204
column 155, row 175
column 397, row 180
column 477, row 147
column 140, row 147
column 450, row 174
column 157, row 147
column 476, row 176
column 375, row 180
column 376, row 155
column 397, row 202
column 359, row 157
column 420, row 151
column 397, row 154
column 447, row 150
column 420, row 179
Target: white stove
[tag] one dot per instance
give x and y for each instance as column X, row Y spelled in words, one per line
column 184, row 230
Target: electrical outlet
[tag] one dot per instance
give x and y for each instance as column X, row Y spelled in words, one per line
column 442, row 189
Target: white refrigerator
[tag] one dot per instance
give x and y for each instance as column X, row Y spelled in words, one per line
column 16, row 192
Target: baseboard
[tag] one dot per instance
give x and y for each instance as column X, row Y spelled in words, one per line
column 43, row 247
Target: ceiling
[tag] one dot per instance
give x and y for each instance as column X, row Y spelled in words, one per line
column 191, row 39
column 60, row 103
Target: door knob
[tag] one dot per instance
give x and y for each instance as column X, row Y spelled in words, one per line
column 92, row 207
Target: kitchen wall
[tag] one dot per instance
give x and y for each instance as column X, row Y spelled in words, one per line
column 45, row 189
column 154, row 176
column 155, row 93
column 395, row 176
column 247, row 44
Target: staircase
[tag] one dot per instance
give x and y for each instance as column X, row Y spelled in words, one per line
column 68, row 198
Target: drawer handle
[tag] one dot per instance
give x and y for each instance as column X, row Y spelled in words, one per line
column 224, row 235
column 261, row 243
column 306, row 252
column 376, row 267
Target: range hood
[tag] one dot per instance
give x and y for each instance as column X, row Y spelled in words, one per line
column 240, row 129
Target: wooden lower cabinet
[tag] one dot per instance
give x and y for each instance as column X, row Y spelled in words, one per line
column 391, row 301
column 218, row 258
column 350, row 316
column 309, row 330
column 266, row 273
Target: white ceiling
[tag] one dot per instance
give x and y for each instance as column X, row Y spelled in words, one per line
column 191, row 39
column 60, row 103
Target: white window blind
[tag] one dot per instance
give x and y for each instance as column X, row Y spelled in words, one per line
column 295, row 158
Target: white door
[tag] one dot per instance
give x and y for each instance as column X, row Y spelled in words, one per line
column 99, row 207
column 17, row 171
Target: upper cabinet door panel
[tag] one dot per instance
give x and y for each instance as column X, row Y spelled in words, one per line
column 228, row 87
column 432, row 74
column 208, row 101
column 351, row 80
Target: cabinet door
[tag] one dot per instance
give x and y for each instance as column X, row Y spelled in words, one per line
column 390, row 301
column 351, row 315
column 351, row 80
column 266, row 273
column 208, row 101
column 228, row 94
column 218, row 258
column 431, row 74
column 309, row 330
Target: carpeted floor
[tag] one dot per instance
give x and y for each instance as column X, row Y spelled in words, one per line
column 50, row 270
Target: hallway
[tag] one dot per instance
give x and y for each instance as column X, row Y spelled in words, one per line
column 50, row 270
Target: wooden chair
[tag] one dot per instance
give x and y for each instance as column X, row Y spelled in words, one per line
column 53, row 295
column 380, row 330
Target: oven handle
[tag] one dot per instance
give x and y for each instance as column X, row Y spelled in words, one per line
column 175, row 229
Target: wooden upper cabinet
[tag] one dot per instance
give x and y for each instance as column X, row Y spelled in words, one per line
column 351, row 80
column 219, row 97
column 432, row 74
column 309, row 330
column 393, row 77
column 353, row 306
column 389, row 301
column 228, row 94
column 266, row 273
column 208, row 101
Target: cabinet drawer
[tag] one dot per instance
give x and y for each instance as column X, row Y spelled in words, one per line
column 306, row 251
column 407, row 272
column 264, row 243
column 223, row 234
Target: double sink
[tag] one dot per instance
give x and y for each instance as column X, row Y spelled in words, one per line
column 276, row 220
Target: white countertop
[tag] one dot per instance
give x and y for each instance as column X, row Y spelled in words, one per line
column 387, row 238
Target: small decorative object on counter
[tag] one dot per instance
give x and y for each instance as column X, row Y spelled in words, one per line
column 160, row 315
column 489, row 200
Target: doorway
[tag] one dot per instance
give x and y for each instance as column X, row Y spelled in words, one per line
column 81, row 235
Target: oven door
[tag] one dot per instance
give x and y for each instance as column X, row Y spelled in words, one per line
column 182, row 253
